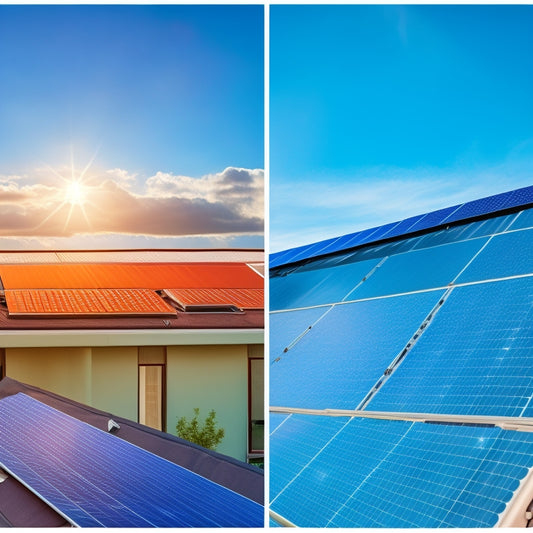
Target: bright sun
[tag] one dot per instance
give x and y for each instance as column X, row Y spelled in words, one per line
column 75, row 193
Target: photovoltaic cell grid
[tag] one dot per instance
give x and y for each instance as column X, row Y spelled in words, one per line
column 476, row 208
column 475, row 358
column 86, row 302
column 394, row 474
column 305, row 288
column 96, row 479
column 342, row 357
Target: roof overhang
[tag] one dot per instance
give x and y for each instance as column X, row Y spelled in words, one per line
column 126, row 337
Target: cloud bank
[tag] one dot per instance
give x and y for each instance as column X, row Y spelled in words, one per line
column 114, row 202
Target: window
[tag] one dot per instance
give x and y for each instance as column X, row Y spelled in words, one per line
column 152, row 380
column 256, row 405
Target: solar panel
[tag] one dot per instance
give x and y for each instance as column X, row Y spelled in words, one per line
column 305, row 288
column 286, row 327
column 476, row 208
column 86, row 302
column 508, row 254
column 190, row 299
column 340, row 359
column 130, row 276
column 524, row 220
column 394, row 474
column 94, row 478
column 474, row 358
column 422, row 269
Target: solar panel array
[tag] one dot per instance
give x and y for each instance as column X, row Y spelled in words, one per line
column 95, row 479
column 461, row 212
column 436, row 324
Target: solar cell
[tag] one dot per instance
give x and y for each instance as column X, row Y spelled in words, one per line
column 305, row 288
column 276, row 419
column 286, row 327
column 86, row 302
column 507, row 254
column 96, row 479
column 418, row 270
column 474, row 358
column 241, row 298
column 524, row 221
column 394, row 474
column 130, row 276
column 340, row 359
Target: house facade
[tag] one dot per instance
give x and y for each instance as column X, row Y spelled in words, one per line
column 146, row 335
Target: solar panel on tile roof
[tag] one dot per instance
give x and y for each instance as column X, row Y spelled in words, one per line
column 98, row 480
column 130, row 276
column 86, row 302
column 241, row 298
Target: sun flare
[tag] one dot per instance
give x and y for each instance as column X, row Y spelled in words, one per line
column 75, row 193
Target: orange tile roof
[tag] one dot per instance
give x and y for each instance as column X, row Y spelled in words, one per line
column 241, row 298
column 86, row 302
column 154, row 276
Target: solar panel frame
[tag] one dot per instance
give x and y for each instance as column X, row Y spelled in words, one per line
column 95, row 478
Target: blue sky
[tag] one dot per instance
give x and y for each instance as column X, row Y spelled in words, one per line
column 382, row 112
column 163, row 104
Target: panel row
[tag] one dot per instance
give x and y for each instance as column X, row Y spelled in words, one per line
column 342, row 472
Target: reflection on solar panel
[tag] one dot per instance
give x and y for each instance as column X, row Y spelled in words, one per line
column 313, row 373
column 383, row 473
column 474, row 358
column 439, row 327
column 189, row 299
column 154, row 276
column 86, row 302
column 95, row 479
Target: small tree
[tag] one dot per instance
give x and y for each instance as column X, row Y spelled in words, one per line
column 206, row 435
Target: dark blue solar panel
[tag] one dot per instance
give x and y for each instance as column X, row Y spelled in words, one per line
column 419, row 270
column 463, row 232
column 508, row 254
column 341, row 358
column 96, row 479
column 306, row 288
column 484, row 206
column 433, row 219
column 286, row 327
column 403, row 227
column 524, row 220
column 475, row 358
column 383, row 473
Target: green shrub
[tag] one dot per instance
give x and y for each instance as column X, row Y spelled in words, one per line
column 206, row 435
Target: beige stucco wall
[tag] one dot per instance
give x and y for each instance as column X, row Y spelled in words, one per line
column 65, row 371
column 211, row 377
column 114, row 380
